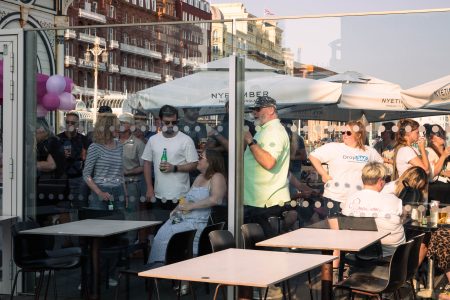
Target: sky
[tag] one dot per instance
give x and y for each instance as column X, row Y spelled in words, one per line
column 406, row 49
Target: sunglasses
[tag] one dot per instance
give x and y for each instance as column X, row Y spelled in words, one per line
column 257, row 109
column 348, row 133
column 71, row 122
column 170, row 123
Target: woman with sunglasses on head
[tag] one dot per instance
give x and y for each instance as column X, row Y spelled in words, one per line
column 438, row 155
column 405, row 156
column 208, row 190
column 345, row 163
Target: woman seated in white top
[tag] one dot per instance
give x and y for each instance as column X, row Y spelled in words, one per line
column 405, row 156
column 385, row 208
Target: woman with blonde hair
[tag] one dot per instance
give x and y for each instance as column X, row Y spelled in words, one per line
column 415, row 177
column 345, row 163
column 103, row 170
column 405, row 156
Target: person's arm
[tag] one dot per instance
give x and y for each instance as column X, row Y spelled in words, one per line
column 217, row 193
column 317, row 164
column 439, row 164
column 46, row 165
column 220, row 138
column 421, row 161
column 302, row 188
column 264, row 158
column 148, row 180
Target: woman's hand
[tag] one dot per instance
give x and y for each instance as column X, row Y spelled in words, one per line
column 105, row 196
column 446, row 152
column 421, row 143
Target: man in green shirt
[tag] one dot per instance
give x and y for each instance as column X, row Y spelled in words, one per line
column 266, row 166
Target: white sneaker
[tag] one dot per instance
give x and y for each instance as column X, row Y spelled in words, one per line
column 112, row 282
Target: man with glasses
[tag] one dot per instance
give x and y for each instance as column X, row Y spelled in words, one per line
column 75, row 146
column 266, row 166
column 133, row 165
column 171, row 176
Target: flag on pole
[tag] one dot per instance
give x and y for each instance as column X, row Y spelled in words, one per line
column 267, row 12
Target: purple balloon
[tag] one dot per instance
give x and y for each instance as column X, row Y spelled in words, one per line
column 41, row 89
column 69, row 85
column 67, row 101
column 50, row 101
column 41, row 111
column 56, row 84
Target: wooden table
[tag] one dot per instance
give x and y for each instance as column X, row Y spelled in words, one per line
column 326, row 240
column 241, row 267
column 94, row 230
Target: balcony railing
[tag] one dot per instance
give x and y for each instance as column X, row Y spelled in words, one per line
column 176, row 60
column 168, row 57
column 70, row 34
column 90, row 65
column 189, row 62
column 90, row 15
column 88, row 38
column 113, row 44
column 168, row 78
column 140, row 51
column 140, row 73
column 113, row 68
column 70, row 60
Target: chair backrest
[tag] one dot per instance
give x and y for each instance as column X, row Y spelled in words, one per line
column 179, row 247
column 28, row 246
column 204, row 246
column 357, row 223
column 221, row 240
column 252, row 233
column 398, row 267
column 90, row 213
column 413, row 260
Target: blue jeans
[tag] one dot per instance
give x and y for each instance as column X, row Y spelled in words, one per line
column 118, row 198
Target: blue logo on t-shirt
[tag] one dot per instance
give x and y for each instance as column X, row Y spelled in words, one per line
column 356, row 158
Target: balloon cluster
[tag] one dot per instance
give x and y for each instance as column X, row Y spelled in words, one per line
column 53, row 93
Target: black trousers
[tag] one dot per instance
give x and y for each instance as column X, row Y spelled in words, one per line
column 261, row 216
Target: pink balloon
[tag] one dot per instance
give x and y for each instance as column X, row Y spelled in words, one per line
column 56, row 84
column 50, row 101
column 69, row 85
column 41, row 89
column 41, row 111
column 67, row 101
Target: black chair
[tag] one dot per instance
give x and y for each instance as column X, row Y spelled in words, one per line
column 179, row 248
column 221, row 240
column 252, row 233
column 34, row 253
column 204, row 245
column 413, row 261
column 367, row 284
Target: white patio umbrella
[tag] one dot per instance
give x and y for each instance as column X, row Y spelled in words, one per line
column 362, row 95
column 208, row 88
column 432, row 95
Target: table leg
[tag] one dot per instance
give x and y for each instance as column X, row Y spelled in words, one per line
column 95, row 269
column 428, row 291
column 327, row 278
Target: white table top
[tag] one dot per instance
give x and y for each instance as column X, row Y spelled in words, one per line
column 7, row 218
column 325, row 239
column 255, row 268
column 92, row 228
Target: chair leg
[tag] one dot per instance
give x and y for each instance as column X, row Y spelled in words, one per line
column 37, row 292
column 288, row 286
column 55, row 293
column 217, row 291
column 48, row 283
column 265, row 294
column 179, row 291
column 413, row 288
column 310, row 286
column 14, row 284
column 157, row 289
column 116, row 296
column 192, row 291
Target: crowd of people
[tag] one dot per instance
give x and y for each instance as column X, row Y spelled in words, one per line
column 178, row 172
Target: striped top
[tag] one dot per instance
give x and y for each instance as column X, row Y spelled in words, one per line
column 104, row 165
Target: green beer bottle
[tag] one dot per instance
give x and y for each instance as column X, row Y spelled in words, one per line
column 163, row 158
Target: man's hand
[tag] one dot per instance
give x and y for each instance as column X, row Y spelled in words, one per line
column 149, row 195
column 248, row 137
column 166, row 167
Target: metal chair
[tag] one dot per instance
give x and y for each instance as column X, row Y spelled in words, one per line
column 367, row 284
column 413, row 261
column 178, row 249
column 252, row 233
column 34, row 253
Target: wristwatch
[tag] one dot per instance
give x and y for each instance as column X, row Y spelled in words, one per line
column 175, row 168
column 253, row 142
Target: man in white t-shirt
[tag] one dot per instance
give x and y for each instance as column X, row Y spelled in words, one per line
column 385, row 208
column 171, row 177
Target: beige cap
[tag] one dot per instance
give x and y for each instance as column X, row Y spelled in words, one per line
column 127, row 118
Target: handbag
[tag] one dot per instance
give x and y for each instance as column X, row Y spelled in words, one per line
column 410, row 195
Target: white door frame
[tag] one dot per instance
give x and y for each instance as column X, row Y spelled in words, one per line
column 11, row 49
